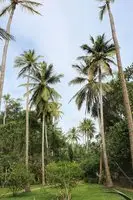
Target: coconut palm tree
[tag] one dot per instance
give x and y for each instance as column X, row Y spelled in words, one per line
column 87, row 129
column 98, row 60
column 73, row 137
column 27, row 64
column 106, row 7
column 27, row 5
column 42, row 94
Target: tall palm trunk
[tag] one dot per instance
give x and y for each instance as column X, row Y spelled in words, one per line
column 101, row 152
column 43, row 164
column 4, row 55
column 106, row 164
column 46, row 139
column 123, row 82
column 27, row 187
column 27, row 126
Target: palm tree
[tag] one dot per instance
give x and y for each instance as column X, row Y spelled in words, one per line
column 27, row 63
column 103, row 8
column 27, row 5
column 87, row 128
column 42, row 94
column 98, row 60
column 73, row 137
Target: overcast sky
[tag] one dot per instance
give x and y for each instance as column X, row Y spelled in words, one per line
column 64, row 26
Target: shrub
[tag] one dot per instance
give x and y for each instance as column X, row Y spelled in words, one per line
column 90, row 168
column 64, row 175
column 19, row 178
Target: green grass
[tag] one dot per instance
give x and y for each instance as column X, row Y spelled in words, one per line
column 81, row 192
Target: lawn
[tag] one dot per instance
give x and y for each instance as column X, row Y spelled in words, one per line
column 82, row 192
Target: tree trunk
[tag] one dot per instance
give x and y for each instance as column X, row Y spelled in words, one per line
column 123, row 82
column 101, row 152
column 46, row 139
column 100, row 166
column 27, row 188
column 106, row 165
column 4, row 54
column 43, row 165
column 27, row 126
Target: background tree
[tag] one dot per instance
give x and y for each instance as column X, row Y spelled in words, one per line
column 87, row 129
column 42, row 93
column 27, row 63
column 98, row 60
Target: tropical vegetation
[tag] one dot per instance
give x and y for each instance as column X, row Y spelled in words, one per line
column 39, row 157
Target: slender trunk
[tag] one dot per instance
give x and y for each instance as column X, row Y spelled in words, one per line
column 106, row 164
column 27, row 188
column 43, row 165
column 101, row 152
column 4, row 54
column 27, row 126
column 46, row 139
column 123, row 82
column 100, row 166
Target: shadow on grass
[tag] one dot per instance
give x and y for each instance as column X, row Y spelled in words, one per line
column 34, row 195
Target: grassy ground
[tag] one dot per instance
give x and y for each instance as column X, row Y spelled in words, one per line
column 82, row 192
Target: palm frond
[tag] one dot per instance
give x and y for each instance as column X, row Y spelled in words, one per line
column 77, row 80
column 30, row 9
column 86, row 48
column 30, row 3
column 4, row 35
column 102, row 11
column 54, row 79
column 5, row 10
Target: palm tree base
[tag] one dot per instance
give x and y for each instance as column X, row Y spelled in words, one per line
column 27, row 188
column 109, row 185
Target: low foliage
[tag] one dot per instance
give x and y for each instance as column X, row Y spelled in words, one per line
column 65, row 175
column 18, row 178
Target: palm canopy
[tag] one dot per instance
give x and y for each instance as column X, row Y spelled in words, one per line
column 4, row 35
column 89, row 92
column 100, row 55
column 54, row 110
column 72, row 136
column 87, row 127
column 42, row 92
column 27, row 5
column 103, row 8
column 27, row 63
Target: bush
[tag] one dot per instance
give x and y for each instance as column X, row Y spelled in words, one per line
column 19, row 178
column 90, row 168
column 65, row 176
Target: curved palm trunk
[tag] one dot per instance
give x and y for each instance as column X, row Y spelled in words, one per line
column 43, row 164
column 106, row 164
column 4, row 55
column 123, row 82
